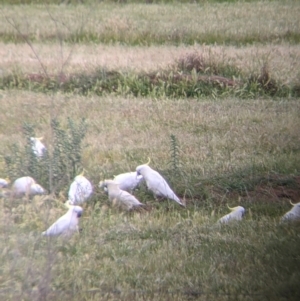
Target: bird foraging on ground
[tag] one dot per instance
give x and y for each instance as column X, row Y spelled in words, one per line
column 128, row 181
column 26, row 186
column 118, row 196
column 80, row 190
column 293, row 214
column 67, row 224
column 236, row 214
column 4, row 183
column 156, row 183
column 38, row 148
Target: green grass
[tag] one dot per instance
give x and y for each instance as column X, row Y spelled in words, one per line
column 151, row 38
column 166, row 252
column 219, row 122
column 158, row 255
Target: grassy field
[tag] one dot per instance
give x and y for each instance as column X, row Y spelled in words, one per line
column 210, row 92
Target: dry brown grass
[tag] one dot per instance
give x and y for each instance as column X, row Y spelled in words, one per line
column 283, row 60
column 214, row 137
column 170, row 21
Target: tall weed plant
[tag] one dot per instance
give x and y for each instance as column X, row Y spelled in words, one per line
column 60, row 162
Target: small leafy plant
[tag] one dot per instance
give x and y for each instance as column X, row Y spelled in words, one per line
column 174, row 152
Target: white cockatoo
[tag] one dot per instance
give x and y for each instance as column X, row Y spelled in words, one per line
column 38, row 148
column 4, row 183
column 67, row 224
column 236, row 214
column 157, row 184
column 118, row 196
column 128, row 181
column 80, row 190
column 26, row 186
column 293, row 214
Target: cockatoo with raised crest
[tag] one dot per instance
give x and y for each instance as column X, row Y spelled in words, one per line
column 236, row 214
column 157, row 184
column 293, row 214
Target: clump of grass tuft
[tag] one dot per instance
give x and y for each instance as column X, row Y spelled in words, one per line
column 206, row 66
column 264, row 82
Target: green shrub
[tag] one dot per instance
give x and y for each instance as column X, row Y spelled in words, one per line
column 59, row 164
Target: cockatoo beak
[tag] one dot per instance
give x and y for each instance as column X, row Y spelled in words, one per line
column 292, row 203
column 79, row 214
column 40, row 138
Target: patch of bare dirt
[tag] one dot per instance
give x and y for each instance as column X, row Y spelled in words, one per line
column 277, row 189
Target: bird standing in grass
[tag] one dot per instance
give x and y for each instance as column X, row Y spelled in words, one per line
column 128, row 181
column 118, row 196
column 157, row 184
column 4, row 183
column 67, row 224
column 293, row 214
column 236, row 214
column 38, row 148
column 4, row 191
column 80, row 190
column 26, row 186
